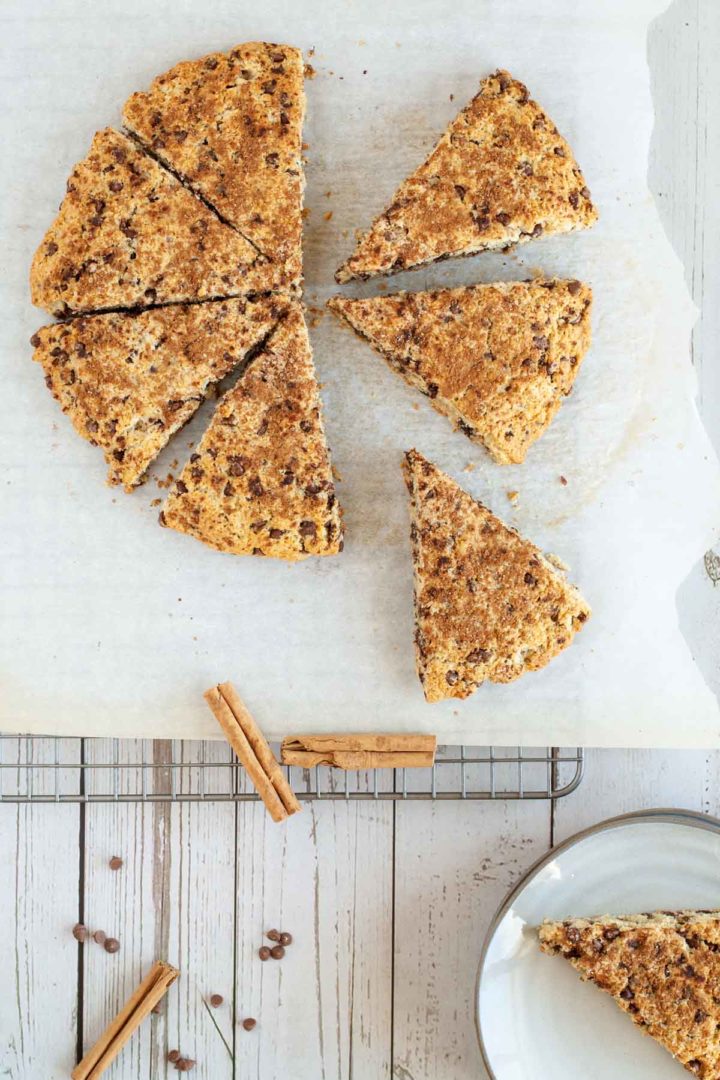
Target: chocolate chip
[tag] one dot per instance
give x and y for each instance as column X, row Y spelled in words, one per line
column 627, row 994
column 228, row 490
column 277, row 952
column 249, row 1023
column 503, row 218
column 540, row 341
column 461, row 190
column 574, row 199
column 116, row 185
column 273, row 935
column 263, row 428
column 585, row 192
column 99, row 937
column 256, row 487
column 112, row 945
column 216, row 1000
column 432, row 390
column 700, row 1016
column 558, row 151
column 504, row 82
column 525, row 168
column 115, row 862
column 272, row 159
column 80, row 932
column 451, row 678
column 269, row 86
column 307, row 528
column 35, row 341
column 181, row 136
column 477, row 656
column 574, row 287
column 611, row 932
column 306, row 425
column 288, row 478
column 237, row 465
column 537, row 231
column 211, row 63
column 285, row 938
column 689, row 971
column 694, row 1066
column 264, row 952
column 181, row 487
column 51, row 248
column 529, row 579
column 573, row 934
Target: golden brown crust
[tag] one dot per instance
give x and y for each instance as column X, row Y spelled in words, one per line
column 230, row 124
column 261, row 482
column 128, row 234
column 497, row 359
column 488, row 604
column 129, row 381
column 500, row 175
column 662, row 968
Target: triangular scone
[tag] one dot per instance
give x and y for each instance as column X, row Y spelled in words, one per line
column 260, row 482
column 662, row 968
column 129, row 381
column 128, row 234
column 497, row 359
column 488, row 604
column 230, row 124
column 501, row 174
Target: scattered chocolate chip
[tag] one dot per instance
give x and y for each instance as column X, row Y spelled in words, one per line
column 216, row 1000
column 537, row 231
column 627, row 994
column 249, row 1024
column 80, row 932
column 503, row 218
column 99, row 937
column 307, row 528
column 112, row 945
column 451, row 678
column 256, row 487
column 700, row 1016
column 116, row 185
column 181, row 487
column 264, row 952
column 277, row 952
column 585, row 192
column 612, row 932
column 115, row 862
column 525, row 168
column 694, row 1066
column 574, row 199
column 35, row 340
column 574, row 287
column 51, row 248
column 530, row 579
column 211, row 63
column 273, row 935
column 285, row 938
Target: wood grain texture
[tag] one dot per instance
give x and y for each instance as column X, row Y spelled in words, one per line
column 38, row 954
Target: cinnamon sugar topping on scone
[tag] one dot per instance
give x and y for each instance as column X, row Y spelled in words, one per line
column 500, row 175
column 128, row 235
column 488, row 604
column 230, row 124
column 498, row 360
column 129, row 381
column 260, row 482
column 662, row 968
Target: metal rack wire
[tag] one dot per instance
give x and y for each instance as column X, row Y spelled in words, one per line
column 38, row 769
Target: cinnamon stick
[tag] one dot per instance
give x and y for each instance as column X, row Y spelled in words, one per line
column 252, row 750
column 363, row 751
column 150, row 991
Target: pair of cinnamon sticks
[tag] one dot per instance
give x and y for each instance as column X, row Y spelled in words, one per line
column 306, row 751
column 252, row 750
column 148, row 994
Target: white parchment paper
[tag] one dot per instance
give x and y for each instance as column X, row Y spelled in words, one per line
column 111, row 625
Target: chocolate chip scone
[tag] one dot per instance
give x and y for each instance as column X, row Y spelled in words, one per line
column 260, row 482
column 129, row 381
column 500, row 175
column 230, row 124
column 662, row 968
column 488, row 604
column 498, row 360
column 128, row 234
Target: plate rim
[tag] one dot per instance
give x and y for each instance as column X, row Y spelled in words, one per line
column 657, row 815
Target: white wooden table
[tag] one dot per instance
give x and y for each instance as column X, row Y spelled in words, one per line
column 388, row 903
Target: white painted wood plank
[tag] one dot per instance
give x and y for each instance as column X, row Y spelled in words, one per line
column 39, row 895
column 454, row 862
column 200, row 916
column 129, row 904
column 324, row 1011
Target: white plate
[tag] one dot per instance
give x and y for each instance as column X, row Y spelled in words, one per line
column 536, row 1019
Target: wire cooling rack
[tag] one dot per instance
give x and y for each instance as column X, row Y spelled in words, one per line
column 35, row 769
